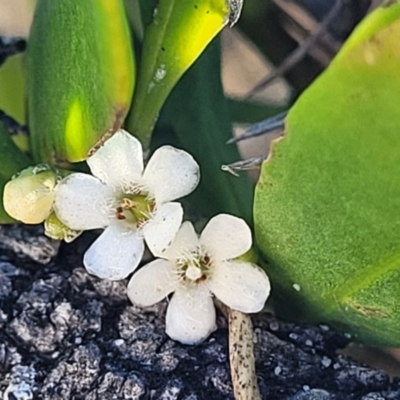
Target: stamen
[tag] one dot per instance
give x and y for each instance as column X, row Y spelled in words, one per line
column 135, row 209
column 201, row 279
column 119, row 213
column 193, row 265
column 126, row 204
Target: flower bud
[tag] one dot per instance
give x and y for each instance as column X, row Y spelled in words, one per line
column 29, row 196
column 56, row 229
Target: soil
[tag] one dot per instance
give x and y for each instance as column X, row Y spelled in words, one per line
column 67, row 335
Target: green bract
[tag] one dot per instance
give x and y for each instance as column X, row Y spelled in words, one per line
column 327, row 209
column 80, row 76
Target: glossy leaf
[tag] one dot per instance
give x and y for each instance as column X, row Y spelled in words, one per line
column 179, row 32
column 199, row 114
column 327, row 207
column 12, row 161
column 80, row 75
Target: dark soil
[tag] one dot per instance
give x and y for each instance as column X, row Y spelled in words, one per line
column 67, row 335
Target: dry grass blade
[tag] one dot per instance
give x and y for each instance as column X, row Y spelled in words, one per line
column 301, row 51
column 244, row 165
column 261, row 128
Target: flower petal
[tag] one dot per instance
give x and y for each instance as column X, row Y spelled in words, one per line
column 152, row 283
column 82, row 202
column 185, row 240
column 190, row 316
column 241, row 286
column 171, row 174
column 115, row 254
column 160, row 231
column 226, row 236
column 119, row 161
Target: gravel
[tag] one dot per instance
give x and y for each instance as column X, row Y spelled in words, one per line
column 67, row 335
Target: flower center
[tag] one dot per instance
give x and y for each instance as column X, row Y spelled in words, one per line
column 135, row 209
column 194, row 267
column 193, row 273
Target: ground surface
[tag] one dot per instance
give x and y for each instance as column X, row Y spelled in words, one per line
column 67, row 335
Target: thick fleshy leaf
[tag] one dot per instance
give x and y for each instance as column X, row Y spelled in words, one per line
column 171, row 174
column 327, row 203
column 160, row 231
column 190, row 316
column 83, row 202
column 179, row 32
column 240, row 285
column 152, row 283
column 226, row 236
column 119, row 161
column 115, row 254
column 185, row 240
column 80, row 76
column 199, row 115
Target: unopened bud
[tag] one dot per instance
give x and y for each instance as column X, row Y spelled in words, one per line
column 56, row 229
column 29, row 196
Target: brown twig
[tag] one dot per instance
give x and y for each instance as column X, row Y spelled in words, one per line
column 307, row 23
column 300, row 52
column 241, row 354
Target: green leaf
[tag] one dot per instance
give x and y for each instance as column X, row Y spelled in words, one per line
column 12, row 88
column 178, row 34
column 249, row 112
column 133, row 12
column 80, row 76
column 147, row 9
column 12, row 160
column 199, row 114
column 327, row 206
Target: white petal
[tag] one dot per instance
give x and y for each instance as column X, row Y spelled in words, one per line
column 171, row 174
column 185, row 240
column 226, row 236
column 152, row 283
column 82, row 202
column 191, row 315
column 119, row 161
column 115, row 254
column 160, row 231
column 241, row 286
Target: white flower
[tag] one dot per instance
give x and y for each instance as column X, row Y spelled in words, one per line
column 129, row 203
column 195, row 268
